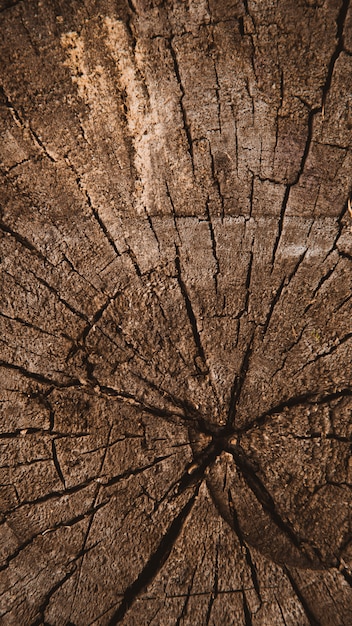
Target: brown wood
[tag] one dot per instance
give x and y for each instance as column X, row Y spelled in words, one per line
column 176, row 312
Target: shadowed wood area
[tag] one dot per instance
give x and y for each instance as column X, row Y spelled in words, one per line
column 176, row 336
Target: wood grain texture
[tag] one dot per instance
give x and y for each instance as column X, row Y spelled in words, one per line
column 175, row 316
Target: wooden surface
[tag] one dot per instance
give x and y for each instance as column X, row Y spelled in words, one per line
column 176, row 328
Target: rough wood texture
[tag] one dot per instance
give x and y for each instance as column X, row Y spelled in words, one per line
column 176, row 312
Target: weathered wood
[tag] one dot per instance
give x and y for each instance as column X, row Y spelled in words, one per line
column 176, row 312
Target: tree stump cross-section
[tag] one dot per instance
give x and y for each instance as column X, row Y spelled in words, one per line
column 176, row 345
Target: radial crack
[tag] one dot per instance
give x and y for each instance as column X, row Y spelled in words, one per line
column 135, row 471
column 56, row 462
column 182, row 106
column 243, row 544
column 187, row 598
column 156, row 561
column 56, row 293
column 340, row 23
column 246, row 610
column 189, row 309
column 95, row 211
column 40, row 620
column 40, row 378
column 213, row 245
column 307, row 610
column 217, row 182
column 268, row 505
column 295, row 182
column 238, row 384
column 306, row 399
column 215, row 590
column 64, row 523
column 23, row 241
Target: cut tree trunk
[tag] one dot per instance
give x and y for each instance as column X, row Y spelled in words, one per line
column 176, row 340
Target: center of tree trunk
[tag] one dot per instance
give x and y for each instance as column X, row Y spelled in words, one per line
column 262, row 479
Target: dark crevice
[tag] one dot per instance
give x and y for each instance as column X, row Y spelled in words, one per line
column 131, row 6
column 27, row 324
column 305, row 399
column 196, row 594
column 241, row 26
column 173, row 208
column 150, row 222
column 245, row 5
column 319, row 285
column 307, row 610
column 40, row 621
column 10, row 106
column 94, row 510
column 347, row 575
column 217, row 91
column 37, row 139
column 284, row 283
column 93, row 385
column 133, row 258
column 53, row 495
column 280, row 224
column 135, row 471
column 129, row 24
column 196, row 469
column 345, row 255
column 246, row 611
column 63, row 523
column 155, row 562
column 250, row 35
column 182, row 106
column 153, row 410
column 248, row 279
column 56, row 462
column 299, row 261
column 307, row 146
column 23, row 241
column 281, row 611
column 190, row 412
column 189, row 309
column 80, row 340
column 102, row 225
column 340, row 23
column 213, row 245
column 95, row 211
column 62, row 300
column 325, row 354
column 251, row 196
column 342, row 304
column 244, row 546
column 217, row 182
column 73, row 382
column 238, row 384
column 267, row 503
column 19, row 433
column 183, row 613
column 340, row 223
column 215, row 591
column 26, row 464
